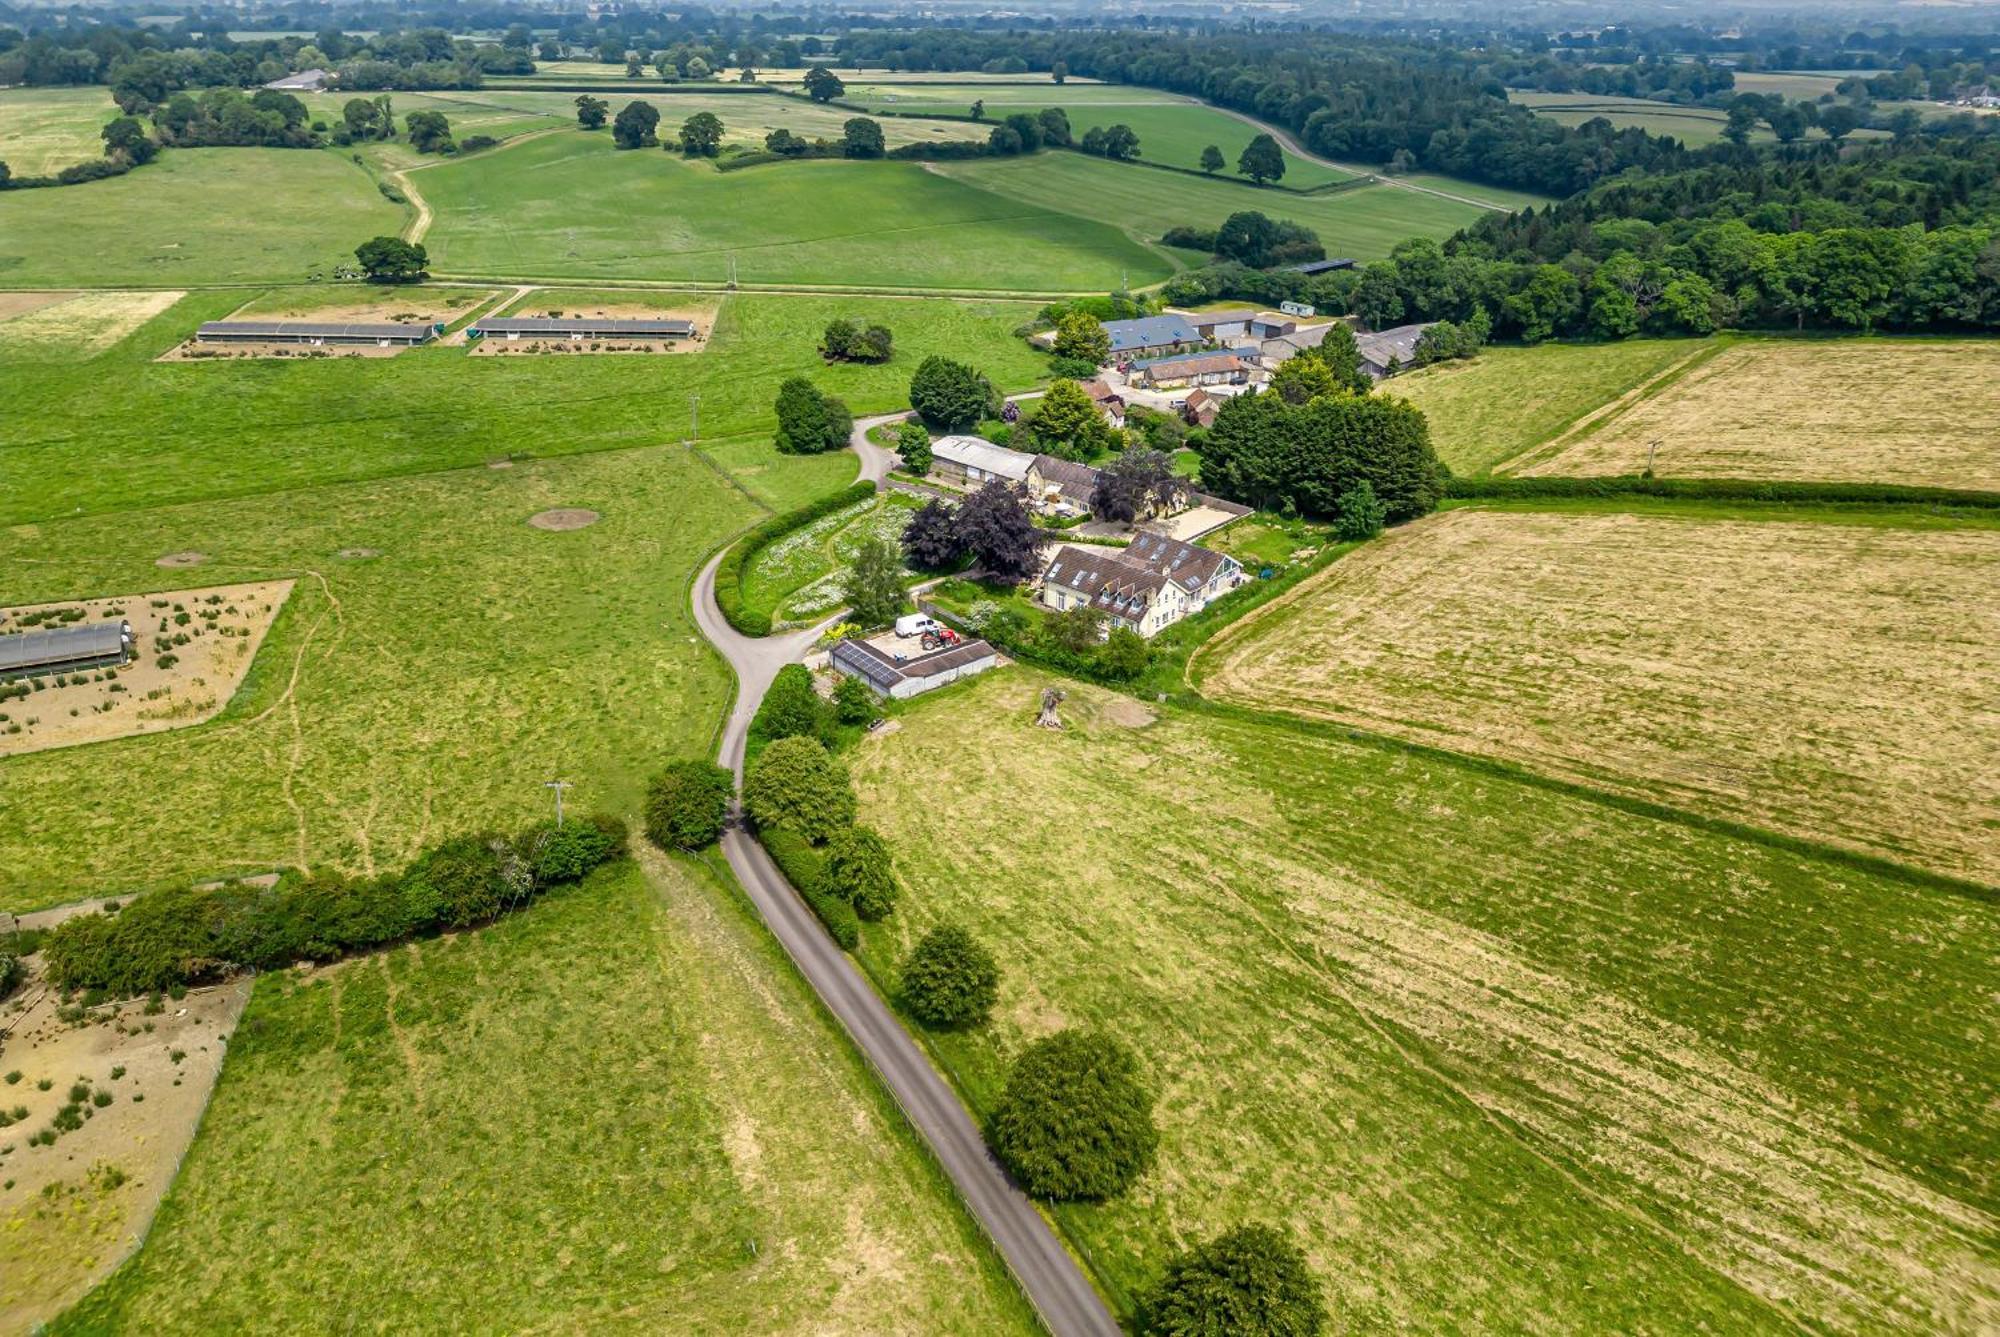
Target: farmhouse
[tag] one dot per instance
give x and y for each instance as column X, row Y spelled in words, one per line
column 382, row 334
column 1148, row 586
column 1151, row 334
column 973, row 461
column 65, row 649
column 1389, row 351
column 1214, row 368
column 1109, row 402
column 904, row 678
column 1201, row 408
column 577, row 328
column 305, row 81
column 1065, row 484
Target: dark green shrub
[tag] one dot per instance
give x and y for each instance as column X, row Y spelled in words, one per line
column 805, row 868
column 687, row 804
column 467, row 879
column 1248, row 1282
column 796, row 786
column 949, row 979
column 729, row 573
column 1075, row 1122
column 858, row 871
column 567, row 853
column 1360, row 514
column 792, row 708
column 853, row 703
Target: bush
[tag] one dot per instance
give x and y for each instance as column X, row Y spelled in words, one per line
column 469, row 879
column 1075, row 1122
column 1072, row 368
column 805, row 869
column 566, row 853
column 853, row 703
column 1251, row 1281
column 1360, row 514
column 795, row 786
column 792, row 708
column 859, row 871
column 687, row 804
column 729, row 574
column 949, row 979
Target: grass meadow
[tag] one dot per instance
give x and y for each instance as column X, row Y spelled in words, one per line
column 1748, row 670
column 161, row 433
column 1365, row 223
column 1488, row 1049
column 570, row 205
column 616, row 1111
column 196, row 216
column 1495, row 407
column 43, row 130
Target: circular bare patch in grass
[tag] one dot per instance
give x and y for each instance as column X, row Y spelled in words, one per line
column 182, row 559
column 564, row 518
column 499, row 464
column 358, row 554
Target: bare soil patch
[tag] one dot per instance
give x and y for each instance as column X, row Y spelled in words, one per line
column 179, row 560
column 1833, row 681
column 1923, row 414
column 194, row 646
column 703, row 318
column 72, row 1210
column 81, row 323
column 14, row 304
column 564, row 518
column 358, row 554
column 192, row 351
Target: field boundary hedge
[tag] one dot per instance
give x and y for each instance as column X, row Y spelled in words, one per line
column 729, row 575
column 1487, row 487
column 805, row 868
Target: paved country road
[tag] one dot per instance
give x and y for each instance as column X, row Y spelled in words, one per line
column 1054, row 1284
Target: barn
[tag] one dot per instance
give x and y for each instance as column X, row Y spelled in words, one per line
column 382, row 334
column 579, row 327
column 903, row 678
column 85, row 645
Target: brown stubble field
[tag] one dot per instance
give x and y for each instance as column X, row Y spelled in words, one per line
column 1833, row 681
column 1915, row 413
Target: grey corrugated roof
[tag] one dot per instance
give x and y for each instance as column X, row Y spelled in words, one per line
column 306, row 329
column 976, row 452
column 27, row 650
column 1322, row 266
column 1150, row 332
column 940, row 661
column 624, row 328
column 880, row 668
column 1399, row 343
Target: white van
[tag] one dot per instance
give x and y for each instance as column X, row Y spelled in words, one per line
column 915, row 624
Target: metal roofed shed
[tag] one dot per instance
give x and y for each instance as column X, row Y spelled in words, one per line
column 580, row 327
column 1322, row 266
column 64, row 649
column 383, row 334
column 1150, row 332
column 905, row 678
column 976, row 460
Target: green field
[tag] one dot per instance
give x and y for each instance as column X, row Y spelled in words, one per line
column 170, row 432
column 1487, row 1049
column 196, row 216
column 1487, row 411
column 1477, row 190
column 43, row 130
column 569, row 205
column 616, row 1111
column 1365, row 223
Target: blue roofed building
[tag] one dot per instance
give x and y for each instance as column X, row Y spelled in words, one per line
column 1151, row 334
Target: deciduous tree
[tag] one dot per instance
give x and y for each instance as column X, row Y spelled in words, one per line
column 995, row 525
column 913, row 446
column 1248, row 1282
column 635, row 126
column 1067, row 423
column 931, row 540
column 701, row 135
column 590, row 111
column 795, row 786
column 823, row 85
column 874, row 585
column 1136, row 484
column 1262, row 160
column 860, row 872
column 687, row 803
column 391, row 260
column 1212, row 160
column 861, row 137
column 1081, row 335
column 949, row 979
column 1075, row 1122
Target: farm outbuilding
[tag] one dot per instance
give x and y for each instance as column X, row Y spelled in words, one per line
column 903, row 678
column 382, row 334
column 1151, row 334
column 66, row 649
column 579, row 327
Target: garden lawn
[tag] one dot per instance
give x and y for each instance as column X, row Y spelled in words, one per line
column 1486, row 1049
column 196, row 216
column 159, row 433
column 570, row 205
column 43, row 130
column 400, row 698
column 618, row 1110
column 1486, row 411
column 1364, row 223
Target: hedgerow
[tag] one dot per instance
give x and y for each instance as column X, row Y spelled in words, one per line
column 196, row 935
column 1718, row 489
column 729, row 575
column 805, row 868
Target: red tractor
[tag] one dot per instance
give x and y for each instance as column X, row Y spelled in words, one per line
column 943, row 638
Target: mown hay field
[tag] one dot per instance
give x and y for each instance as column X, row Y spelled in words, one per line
column 43, row 130
column 615, row 1111
column 1866, row 411
column 1833, row 681
column 1488, row 1049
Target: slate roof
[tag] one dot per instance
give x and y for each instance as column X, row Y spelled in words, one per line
column 1399, row 343
column 285, row 330
column 976, row 452
column 1131, row 336
column 1189, row 566
column 1111, row 584
column 27, row 651
column 1190, row 364
column 604, row 327
column 1075, row 481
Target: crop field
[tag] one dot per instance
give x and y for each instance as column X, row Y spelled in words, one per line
column 438, row 658
column 570, row 205
column 196, row 216
column 43, row 130
column 798, row 579
column 1422, row 1014
column 956, row 94
column 616, row 1110
column 162, row 433
column 1752, row 671
column 1693, row 126
column 1493, row 408
column 1365, row 223
column 1794, row 86
column 1851, row 411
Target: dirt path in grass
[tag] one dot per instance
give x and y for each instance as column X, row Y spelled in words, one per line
column 1553, row 447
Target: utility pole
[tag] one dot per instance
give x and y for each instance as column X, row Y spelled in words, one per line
column 1652, row 448
column 558, row 786
column 732, row 272
column 694, row 417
